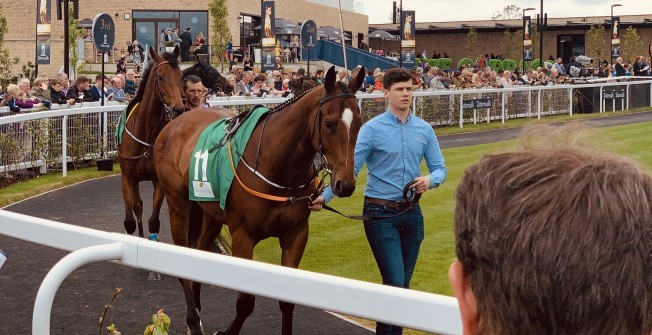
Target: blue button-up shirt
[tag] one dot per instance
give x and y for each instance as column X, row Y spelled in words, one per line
column 393, row 151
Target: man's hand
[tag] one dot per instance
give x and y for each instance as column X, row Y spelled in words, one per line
column 317, row 204
column 422, row 184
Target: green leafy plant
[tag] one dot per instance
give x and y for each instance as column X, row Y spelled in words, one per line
column 471, row 42
column 112, row 328
column 631, row 45
column 596, row 43
column 220, row 34
column 73, row 35
column 160, row 324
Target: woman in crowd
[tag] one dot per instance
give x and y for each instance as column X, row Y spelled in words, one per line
column 121, row 67
column 136, row 52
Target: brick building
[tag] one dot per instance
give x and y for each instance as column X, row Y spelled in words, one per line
column 143, row 20
column 564, row 37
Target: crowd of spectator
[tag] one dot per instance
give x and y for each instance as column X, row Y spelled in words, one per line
column 45, row 92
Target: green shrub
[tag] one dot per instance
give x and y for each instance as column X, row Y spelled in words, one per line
column 495, row 64
column 509, row 65
column 468, row 62
column 445, row 63
column 433, row 62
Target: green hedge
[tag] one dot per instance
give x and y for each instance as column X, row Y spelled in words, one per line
column 509, row 65
column 530, row 65
column 445, row 63
column 465, row 61
column 495, row 64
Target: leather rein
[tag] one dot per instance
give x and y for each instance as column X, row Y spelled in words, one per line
column 166, row 116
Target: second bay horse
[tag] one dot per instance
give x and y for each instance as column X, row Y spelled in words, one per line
column 324, row 120
column 157, row 101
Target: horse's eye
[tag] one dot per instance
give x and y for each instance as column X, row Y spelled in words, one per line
column 330, row 125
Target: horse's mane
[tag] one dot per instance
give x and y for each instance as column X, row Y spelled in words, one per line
column 144, row 77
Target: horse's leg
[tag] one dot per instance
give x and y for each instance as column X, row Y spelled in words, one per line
column 154, row 223
column 293, row 244
column 138, row 206
column 179, row 216
column 243, row 247
column 127, row 197
column 209, row 231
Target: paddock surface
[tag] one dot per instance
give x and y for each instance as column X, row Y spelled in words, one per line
column 79, row 302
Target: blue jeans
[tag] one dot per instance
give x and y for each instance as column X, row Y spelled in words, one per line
column 395, row 243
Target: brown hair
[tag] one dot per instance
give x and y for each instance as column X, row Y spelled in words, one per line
column 395, row 75
column 557, row 239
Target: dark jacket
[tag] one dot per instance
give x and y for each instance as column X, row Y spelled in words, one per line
column 130, row 87
column 620, row 70
column 73, row 93
column 57, row 97
column 94, row 91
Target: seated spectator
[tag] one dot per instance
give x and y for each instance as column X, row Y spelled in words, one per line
column 116, row 92
column 40, row 89
column 130, row 83
column 65, row 82
column 100, row 82
column 230, row 79
column 56, row 93
column 18, row 99
column 378, row 81
column 561, row 248
column 79, row 91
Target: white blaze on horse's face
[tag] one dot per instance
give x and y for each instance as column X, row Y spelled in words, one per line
column 347, row 118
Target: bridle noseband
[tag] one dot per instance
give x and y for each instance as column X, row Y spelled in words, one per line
column 168, row 110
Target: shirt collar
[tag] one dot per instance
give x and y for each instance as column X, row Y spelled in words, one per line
column 391, row 117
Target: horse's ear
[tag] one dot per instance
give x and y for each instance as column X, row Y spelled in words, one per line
column 153, row 54
column 329, row 81
column 177, row 51
column 357, row 82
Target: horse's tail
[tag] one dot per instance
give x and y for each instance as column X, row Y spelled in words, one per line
column 194, row 228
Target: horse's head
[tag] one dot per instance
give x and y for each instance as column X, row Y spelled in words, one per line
column 166, row 77
column 339, row 123
column 210, row 77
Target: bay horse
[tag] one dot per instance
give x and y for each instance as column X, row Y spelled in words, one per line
column 157, row 101
column 210, row 77
column 324, row 120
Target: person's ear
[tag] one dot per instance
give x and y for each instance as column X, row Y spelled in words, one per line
column 465, row 298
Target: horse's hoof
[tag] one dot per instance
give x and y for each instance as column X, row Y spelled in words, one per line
column 153, row 276
column 130, row 227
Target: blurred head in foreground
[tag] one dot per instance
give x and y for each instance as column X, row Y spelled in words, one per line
column 554, row 238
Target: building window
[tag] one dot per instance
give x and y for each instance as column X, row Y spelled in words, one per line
column 148, row 25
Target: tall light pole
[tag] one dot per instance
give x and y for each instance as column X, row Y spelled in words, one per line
column 400, row 42
column 522, row 55
column 542, row 27
column 612, row 27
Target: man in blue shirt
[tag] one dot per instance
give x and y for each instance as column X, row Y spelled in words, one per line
column 393, row 145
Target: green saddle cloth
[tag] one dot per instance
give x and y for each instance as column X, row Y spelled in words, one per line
column 210, row 173
column 120, row 126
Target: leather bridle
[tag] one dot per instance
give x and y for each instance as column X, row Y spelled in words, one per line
column 167, row 115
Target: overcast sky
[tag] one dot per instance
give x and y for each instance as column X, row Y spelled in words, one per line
column 461, row 10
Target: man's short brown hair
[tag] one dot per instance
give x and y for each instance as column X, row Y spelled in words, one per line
column 556, row 239
column 395, row 75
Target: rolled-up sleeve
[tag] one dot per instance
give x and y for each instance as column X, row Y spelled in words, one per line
column 435, row 162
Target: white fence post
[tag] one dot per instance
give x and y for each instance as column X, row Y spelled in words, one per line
column 58, row 273
column 570, row 101
column 502, row 116
column 64, row 146
column 461, row 110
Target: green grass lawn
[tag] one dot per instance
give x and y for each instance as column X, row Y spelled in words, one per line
column 48, row 182
column 339, row 247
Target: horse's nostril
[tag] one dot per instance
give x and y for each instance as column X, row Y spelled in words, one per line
column 339, row 187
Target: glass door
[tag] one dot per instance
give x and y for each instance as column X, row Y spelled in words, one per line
column 146, row 35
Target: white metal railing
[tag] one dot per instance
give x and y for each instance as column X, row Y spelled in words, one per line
column 413, row 309
column 42, row 139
